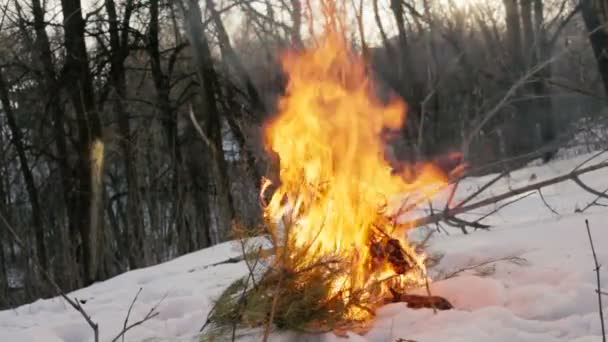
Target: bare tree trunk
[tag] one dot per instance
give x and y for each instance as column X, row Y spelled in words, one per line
column 119, row 50
column 516, row 17
column 411, row 92
column 210, row 115
column 235, row 61
column 514, row 36
column 28, row 177
column 169, row 121
column 5, row 241
column 90, row 140
column 595, row 17
column 529, row 37
column 200, row 200
column 49, row 87
column 4, row 300
column 234, row 118
column 537, row 111
column 545, row 105
column 296, row 19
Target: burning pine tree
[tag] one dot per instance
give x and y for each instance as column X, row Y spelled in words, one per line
column 338, row 254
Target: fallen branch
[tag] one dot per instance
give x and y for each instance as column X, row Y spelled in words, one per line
column 588, row 189
column 506, row 204
column 421, row 302
column 460, row 209
column 462, row 224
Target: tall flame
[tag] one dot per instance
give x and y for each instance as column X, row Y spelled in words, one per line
column 335, row 182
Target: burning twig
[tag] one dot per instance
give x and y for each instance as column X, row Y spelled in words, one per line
column 599, row 287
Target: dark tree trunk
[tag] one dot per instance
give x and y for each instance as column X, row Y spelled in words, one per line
column 412, row 92
column 48, row 85
column 537, row 111
column 4, row 300
column 598, row 35
column 119, row 51
column 89, row 170
column 518, row 14
column 212, row 122
column 234, row 61
column 296, row 18
column 514, row 35
column 169, row 122
column 28, row 177
column 529, row 36
column 545, row 105
column 5, row 241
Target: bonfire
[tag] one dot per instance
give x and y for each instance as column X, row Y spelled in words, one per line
column 338, row 249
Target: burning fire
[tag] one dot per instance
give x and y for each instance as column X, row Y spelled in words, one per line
column 335, row 185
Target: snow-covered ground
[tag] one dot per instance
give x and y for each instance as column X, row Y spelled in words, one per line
column 549, row 298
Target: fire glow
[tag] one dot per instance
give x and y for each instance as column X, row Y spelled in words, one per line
column 335, row 185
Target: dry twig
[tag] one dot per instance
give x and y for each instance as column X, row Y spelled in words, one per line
column 540, row 192
column 73, row 302
column 513, row 259
column 124, row 326
column 599, row 287
column 595, row 202
column 151, row 314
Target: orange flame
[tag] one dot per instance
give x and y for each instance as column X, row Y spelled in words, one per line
column 335, row 181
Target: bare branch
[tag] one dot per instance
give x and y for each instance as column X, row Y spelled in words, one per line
column 587, row 188
column 151, row 314
column 124, row 327
column 540, row 192
column 513, row 259
column 73, row 302
column 506, row 195
column 595, row 202
column 496, row 109
column 599, row 287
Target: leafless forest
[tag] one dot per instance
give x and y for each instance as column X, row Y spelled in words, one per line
column 131, row 131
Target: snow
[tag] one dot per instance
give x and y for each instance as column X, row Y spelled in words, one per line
column 549, row 297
